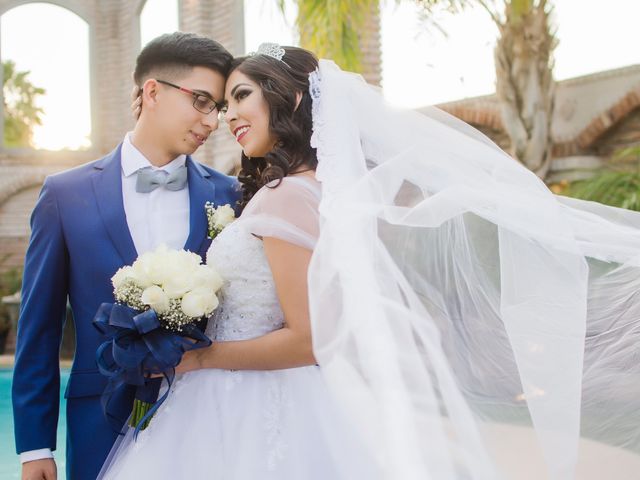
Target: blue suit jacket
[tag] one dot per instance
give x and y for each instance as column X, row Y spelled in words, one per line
column 79, row 239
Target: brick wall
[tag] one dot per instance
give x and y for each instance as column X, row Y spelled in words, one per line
column 14, row 227
column 21, row 179
column 625, row 134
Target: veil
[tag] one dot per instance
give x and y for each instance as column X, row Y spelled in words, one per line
column 472, row 324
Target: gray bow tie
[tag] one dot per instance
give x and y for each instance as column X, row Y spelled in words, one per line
column 148, row 179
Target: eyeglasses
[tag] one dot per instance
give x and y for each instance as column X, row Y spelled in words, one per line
column 201, row 102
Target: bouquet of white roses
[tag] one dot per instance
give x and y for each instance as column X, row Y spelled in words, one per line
column 174, row 283
column 159, row 300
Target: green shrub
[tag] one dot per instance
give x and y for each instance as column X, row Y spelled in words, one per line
column 617, row 185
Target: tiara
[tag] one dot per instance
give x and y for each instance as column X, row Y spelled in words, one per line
column 272, row 50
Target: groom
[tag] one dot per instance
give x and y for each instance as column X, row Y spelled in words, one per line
column 94, row 219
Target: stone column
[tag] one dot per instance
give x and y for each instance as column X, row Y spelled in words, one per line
column 115, row 46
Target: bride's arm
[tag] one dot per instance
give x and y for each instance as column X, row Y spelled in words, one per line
column 287, row 347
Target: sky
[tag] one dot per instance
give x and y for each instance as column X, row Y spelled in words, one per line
column 420, row 65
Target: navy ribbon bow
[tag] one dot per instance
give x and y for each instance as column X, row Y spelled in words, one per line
column 137, row 347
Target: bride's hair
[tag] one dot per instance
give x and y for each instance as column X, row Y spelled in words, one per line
column 280, row 81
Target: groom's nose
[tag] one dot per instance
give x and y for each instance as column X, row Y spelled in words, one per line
column 210, row 120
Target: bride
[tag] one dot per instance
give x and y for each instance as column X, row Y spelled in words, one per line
column 402, row 300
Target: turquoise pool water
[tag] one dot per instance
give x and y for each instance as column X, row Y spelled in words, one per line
column 9, row 462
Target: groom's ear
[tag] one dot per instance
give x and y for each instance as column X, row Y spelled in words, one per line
column 150, row 90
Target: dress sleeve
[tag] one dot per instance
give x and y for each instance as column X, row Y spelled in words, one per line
column 288, row 211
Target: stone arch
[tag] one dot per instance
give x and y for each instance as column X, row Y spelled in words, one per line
column 81, row 9
column 22, row 181
column 15, row 211
column 138, row 8
column 84, row 11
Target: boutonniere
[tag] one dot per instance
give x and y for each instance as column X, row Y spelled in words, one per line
column 218, row 218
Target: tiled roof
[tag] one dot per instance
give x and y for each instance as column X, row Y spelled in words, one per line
column 586, row 106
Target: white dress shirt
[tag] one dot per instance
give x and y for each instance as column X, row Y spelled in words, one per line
column 160, row 216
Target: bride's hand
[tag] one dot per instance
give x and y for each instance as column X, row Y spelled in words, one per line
column 191, row 360
column 136, row 102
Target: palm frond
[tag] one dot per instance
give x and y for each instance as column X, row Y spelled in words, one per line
column 615, row 188
column 627, row 154
column 333, row 29
column 21, row 114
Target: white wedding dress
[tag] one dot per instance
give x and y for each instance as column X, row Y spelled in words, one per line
column 221, row 424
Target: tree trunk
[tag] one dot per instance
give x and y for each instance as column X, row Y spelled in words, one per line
column 524, row 82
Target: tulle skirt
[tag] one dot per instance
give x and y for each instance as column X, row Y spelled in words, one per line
column 220, row 424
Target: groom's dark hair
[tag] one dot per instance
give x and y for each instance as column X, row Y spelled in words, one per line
column 175, row 54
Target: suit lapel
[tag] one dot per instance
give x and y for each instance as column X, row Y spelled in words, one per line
column 201, row 191
column 107, row 186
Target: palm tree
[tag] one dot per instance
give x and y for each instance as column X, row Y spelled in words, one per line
column 336, row 29
column 20, row 111
column 524, row 73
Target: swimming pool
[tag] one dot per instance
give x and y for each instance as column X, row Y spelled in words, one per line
column 9, row 461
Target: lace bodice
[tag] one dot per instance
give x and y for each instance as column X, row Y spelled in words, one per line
column 249, row 305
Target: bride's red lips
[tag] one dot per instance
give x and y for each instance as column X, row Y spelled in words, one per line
column 235, row 132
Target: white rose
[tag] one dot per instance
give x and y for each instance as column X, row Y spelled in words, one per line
column 156, row 272
column 189, row 261
column 223, row 216
column 157, row 266
column 210, row 297
column 173, row 265
column 179, row 284
column 140, row 269
column 197, row 303
column 179, row 262
column 207, row 277
column 155, row 297
column 123, row 274
column 161, row 264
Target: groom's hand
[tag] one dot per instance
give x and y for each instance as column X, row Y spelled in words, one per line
column 43, row 469
column 136, row 102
